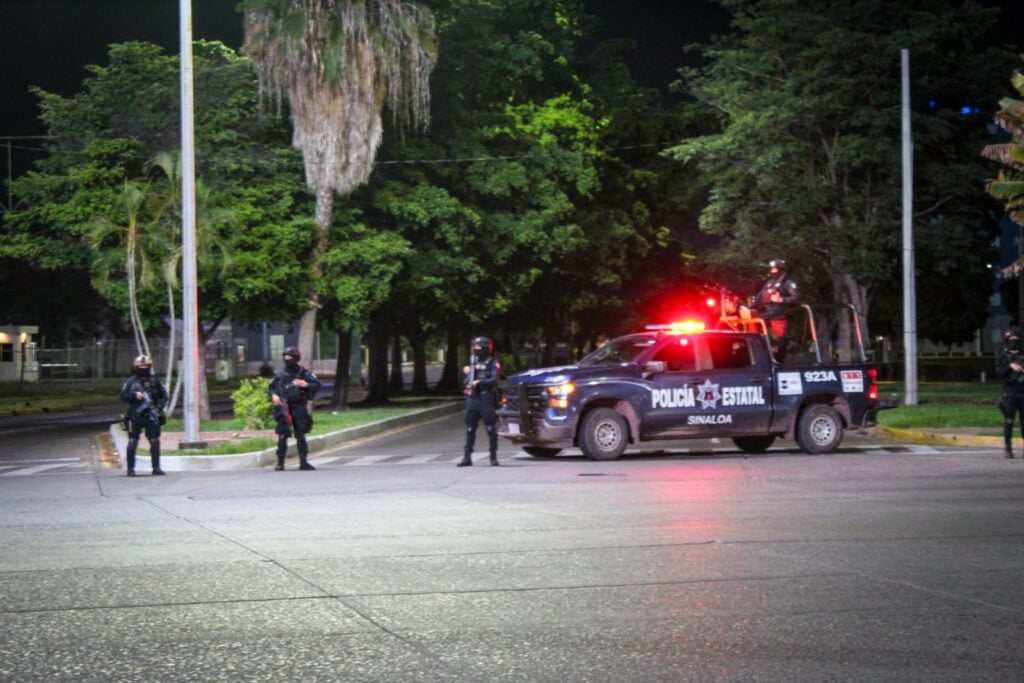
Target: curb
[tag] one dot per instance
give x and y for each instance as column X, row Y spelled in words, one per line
column 264, row 458
column 918, row 436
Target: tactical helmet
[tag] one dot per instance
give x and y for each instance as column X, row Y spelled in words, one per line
column 777, row 266
column 484, row 345
column 142, row 365
column 291, row 356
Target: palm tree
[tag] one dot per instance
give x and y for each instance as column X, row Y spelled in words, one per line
column 338, row 63
column 1009, row 184
column 128, row 253
column 166, row 222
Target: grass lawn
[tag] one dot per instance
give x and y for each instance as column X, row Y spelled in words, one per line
column 945, row 404
column 323, row 422
column 55, row 397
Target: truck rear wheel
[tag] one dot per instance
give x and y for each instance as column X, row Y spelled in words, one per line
column 754, row 444
column 819, row 429
column 603, row 435
column 541, row 452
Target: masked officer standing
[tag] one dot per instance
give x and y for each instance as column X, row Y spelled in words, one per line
column 146, row 399
column 778, row 295
column 1010, row 369
column 481, row 386
column 291, row 390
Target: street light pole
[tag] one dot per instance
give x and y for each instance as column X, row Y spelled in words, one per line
column 190, row 341
column 909, row 292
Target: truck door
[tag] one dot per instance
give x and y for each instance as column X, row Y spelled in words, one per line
column 738, row 391
column 673, row 396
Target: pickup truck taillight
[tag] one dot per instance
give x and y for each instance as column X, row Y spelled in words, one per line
column 872, row 384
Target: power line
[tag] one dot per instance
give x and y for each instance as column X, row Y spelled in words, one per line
column 383, row 162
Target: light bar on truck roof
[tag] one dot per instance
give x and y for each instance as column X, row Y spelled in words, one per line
column 681, row 327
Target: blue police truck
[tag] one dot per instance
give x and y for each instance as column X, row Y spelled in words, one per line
column 741, row 381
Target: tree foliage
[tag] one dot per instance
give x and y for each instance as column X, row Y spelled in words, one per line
column 806, row 163
column 338, row 63
column 1008, row 186
column 109, row 134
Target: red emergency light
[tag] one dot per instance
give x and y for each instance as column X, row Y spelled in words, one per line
column 681, row 327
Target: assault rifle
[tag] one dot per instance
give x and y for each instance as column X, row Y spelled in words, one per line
column 471, row 377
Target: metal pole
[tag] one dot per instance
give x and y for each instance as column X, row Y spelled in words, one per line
column 10, row 173
column 909, row 295
column 190, row 348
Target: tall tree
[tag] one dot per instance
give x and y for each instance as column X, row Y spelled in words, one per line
column 128, row 235
column 339, row 63
column 806, row 164
column 125, row 116
column 1009, row 185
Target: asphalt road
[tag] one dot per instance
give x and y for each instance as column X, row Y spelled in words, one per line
column 881, row 562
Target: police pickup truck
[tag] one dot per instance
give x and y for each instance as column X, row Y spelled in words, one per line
column 684, row 382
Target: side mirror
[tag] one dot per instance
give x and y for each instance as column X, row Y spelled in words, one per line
column 653, row 367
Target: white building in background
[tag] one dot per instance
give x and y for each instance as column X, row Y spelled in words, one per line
column 17, row 353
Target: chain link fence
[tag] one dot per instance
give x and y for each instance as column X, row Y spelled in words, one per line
column 114, row 358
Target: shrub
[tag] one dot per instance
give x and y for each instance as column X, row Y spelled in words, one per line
column 252, row 404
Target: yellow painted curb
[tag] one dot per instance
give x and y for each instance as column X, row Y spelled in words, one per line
column 941, row 438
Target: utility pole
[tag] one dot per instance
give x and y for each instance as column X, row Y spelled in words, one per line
column 190, row 341
column 909, row 292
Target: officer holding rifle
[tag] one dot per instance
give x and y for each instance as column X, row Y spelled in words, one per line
column 482, row 377
column 292, row 392
column 1010, row 369
column 146, row 399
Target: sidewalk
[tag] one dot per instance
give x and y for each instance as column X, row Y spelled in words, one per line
column 264, row 458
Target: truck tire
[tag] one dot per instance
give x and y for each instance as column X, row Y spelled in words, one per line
column 542, row 452
column 603, row 435
column 754, row 444
column 819, row 429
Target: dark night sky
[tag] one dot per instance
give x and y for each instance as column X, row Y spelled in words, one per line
column 49, row 42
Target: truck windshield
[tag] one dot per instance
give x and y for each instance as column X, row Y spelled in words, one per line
column 619, row 351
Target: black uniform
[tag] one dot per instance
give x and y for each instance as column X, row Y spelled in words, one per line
column 293, row 414
column 777, row 297
column 146, row 414
column 1012, row 402
column 481, row 392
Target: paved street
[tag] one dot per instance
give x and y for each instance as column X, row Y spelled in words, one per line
column 882, row 562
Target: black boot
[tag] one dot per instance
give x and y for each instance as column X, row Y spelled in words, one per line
column 1009, row 453
column 154, row 457
column 494, row 460
column 465, row 462
column 305, row 465
column 130, row 457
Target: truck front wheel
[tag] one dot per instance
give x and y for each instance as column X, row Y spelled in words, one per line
column 603, row 435
column 819, row 429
